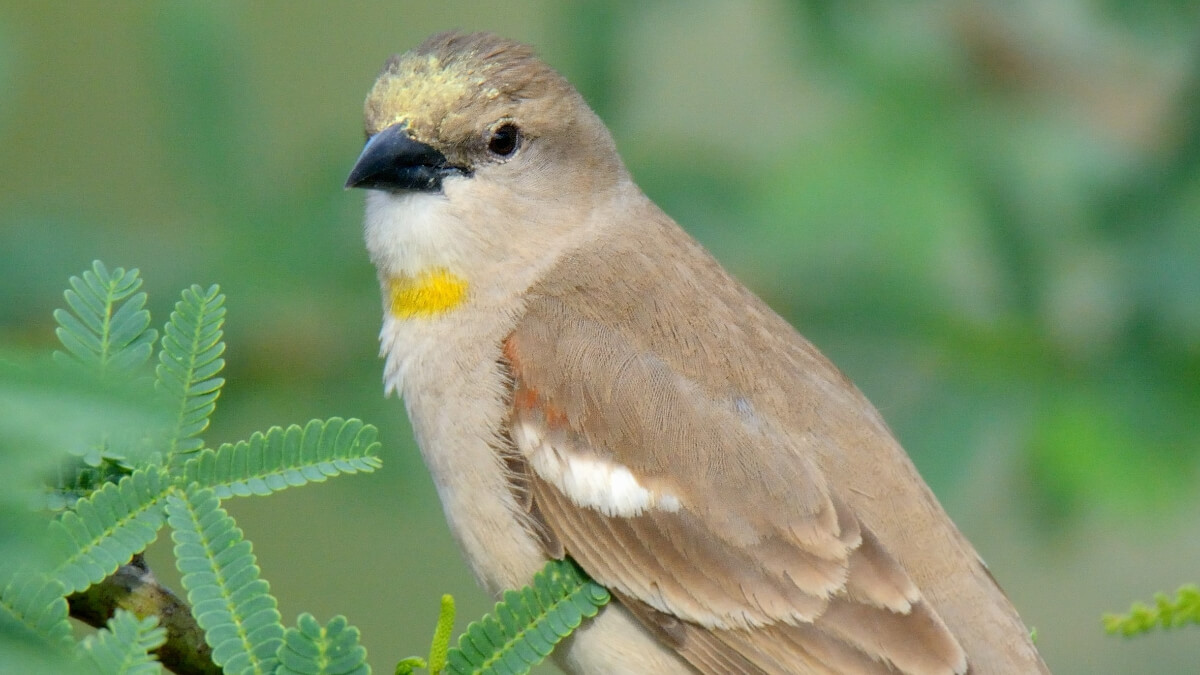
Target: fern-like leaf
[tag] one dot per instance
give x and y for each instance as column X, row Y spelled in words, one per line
column 188, row 364
column 1166, row 613
column 104, row 530
column 283, row 458
column 229, row 600
column 313, row 649
column 524, row 628
column 35, row 605
column 125, row 647
column 107, row 327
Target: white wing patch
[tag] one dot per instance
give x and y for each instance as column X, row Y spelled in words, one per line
column 590, row 482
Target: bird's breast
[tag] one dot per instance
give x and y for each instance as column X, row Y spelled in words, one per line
column 448, row 370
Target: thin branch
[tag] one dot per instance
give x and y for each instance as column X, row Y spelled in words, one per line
column 134, row 587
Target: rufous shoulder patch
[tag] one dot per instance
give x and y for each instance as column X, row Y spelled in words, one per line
column 526, row 398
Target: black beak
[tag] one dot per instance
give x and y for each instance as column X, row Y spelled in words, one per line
column 393, row 161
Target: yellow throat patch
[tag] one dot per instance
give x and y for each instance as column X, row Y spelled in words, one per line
column 430, row 293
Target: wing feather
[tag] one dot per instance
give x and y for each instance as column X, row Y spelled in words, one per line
column 715, row 529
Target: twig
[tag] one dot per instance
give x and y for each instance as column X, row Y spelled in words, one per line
column 133, row 587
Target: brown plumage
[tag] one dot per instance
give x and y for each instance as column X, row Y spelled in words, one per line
column 607, row 391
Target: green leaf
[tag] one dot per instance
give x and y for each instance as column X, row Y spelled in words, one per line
column 101, row 532
column 525, row 627
column 49, row 412
column 409, row 665
column 229, row 600
column 35, row 636
column 313, row 649
column 107, row 326
column 283, row 458
column 188, row 363
column 1166, row 613
column 34, row 605
column 125, row 647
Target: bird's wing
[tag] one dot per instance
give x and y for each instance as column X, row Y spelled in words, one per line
column 716, row 530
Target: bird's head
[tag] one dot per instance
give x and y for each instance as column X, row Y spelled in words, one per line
column 473, row 131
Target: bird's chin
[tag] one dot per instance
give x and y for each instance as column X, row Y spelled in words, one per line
column 407, row 230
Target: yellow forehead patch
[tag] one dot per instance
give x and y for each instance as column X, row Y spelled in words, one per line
column 423, row 89
column 430, row 293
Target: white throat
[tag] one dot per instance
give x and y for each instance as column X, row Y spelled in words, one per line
column 410, row 232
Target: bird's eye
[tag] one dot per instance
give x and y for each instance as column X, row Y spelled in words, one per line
column 505, row 140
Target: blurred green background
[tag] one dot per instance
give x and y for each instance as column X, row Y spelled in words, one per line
column 988, row 214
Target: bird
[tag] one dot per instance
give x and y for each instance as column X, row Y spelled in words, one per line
column 585, row 380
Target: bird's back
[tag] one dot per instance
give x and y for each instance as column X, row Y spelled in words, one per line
column 655, row 287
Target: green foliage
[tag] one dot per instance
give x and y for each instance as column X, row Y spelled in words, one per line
column 48, row 411
column 112, row 515
column 108, row 325
column 523, row 629
column 124, row 647
column 188, row 364
column 35, row 605
column 410, row 664
column 114, row 497
column 283, row 458
column 313, row 649
column 105, row 331
column 103, row 531
column 229, row 600
column 113, row 505
column 1166, row 613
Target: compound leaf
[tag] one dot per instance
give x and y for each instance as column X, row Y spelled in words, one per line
column 188, row 364
column 35, row 605
column 229, row 600
column 107, row 326
column 102, row 531
column 313, row 649
column 283, row 458
column 125, row 646
column 524, row 628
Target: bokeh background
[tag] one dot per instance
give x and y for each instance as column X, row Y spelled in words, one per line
column 988, row 214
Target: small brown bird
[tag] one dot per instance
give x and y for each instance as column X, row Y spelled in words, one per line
column 585, row 380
